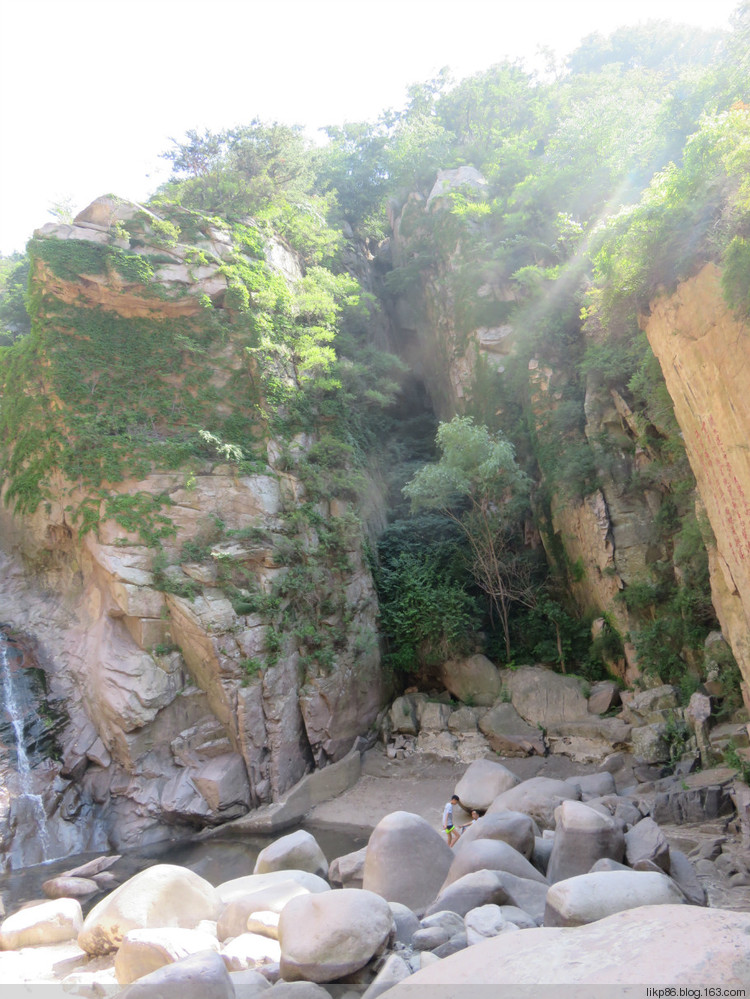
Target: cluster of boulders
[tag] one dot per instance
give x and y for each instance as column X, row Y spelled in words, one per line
column 544, row 853
column 533, row 710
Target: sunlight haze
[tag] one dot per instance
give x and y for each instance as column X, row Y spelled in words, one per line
column 93, row 90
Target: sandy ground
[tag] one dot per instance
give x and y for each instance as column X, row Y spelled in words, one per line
column 423, row 784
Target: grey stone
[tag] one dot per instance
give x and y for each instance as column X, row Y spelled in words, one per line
column 646, row 841
column 407, row 860
column 471, row 891
column 405, row 922
column 508, row 734
column 483, row 781
column 514, row 828
column 590, row 897
column 542, row 697
column 537, row 797
column 456, row 943
column 348, row 871
column 683, row 873
column 200, row 976
column 582, row 836
column 296, row 851
column 326, row 936
column 491, row 855
column 474, row 680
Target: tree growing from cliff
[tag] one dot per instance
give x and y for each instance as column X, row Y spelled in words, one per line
column 479, row 486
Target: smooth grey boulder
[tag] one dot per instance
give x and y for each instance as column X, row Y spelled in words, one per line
column 543, row 697
column 486, row 921
column 394, row 970
column 605, row 864
column 582, row 836
column 46, row 923
column 70, row 887
column 234, row 916
column 624, row 809
column 296, row 851
column 470, row 891
column 482, row 782
column 508, row 734
column 473, row 680
column 518, row 916
column 430, row 937
column 163, row 895
column 491, row 855
column 326, row 936
column 445, row 918
column 646, row 841
column 514, row 828
column 250, row 950
column 541, row 853
column 405, row 922
column 249, row 984
column 589, row 897
column 594, row 785
column 537, row 797
column 674, row 944
column 407, row 861
column 683, row 873
column 200, row 976
column 144, row 951
column 239, row 887
column 348, row 870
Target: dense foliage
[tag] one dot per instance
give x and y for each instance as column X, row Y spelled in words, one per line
column 587, row 190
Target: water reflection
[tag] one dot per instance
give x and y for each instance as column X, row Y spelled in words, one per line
column 216, row 859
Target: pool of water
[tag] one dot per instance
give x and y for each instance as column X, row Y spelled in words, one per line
column 217, row 859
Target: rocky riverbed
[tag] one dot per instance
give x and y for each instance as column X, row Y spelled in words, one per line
column 591, row 849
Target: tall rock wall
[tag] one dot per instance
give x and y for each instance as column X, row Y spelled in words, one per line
column 704, row 353
column 207, row 628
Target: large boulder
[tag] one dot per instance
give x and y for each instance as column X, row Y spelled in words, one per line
column 348, row 870
column 297, row 851
column 164, row 895
column 508, row 734
column 250, row 950
column 582, row 836
column 645, row 841
column 676, row 945
column 589, row 897
column 200, row 976
column 239, row 887
column 273, row 898
column 474, row 680
column 324, row 937
column 537, row 797
column 144, row 951
column 407, row 860
column 472, row 890
column 38, row 925
column 514, row 828
column 491, row 855
column 483, row 781
column 542, row 697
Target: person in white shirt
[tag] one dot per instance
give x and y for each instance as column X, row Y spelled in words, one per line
column 448, row 823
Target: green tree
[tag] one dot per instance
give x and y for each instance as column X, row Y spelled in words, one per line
column 478, row 484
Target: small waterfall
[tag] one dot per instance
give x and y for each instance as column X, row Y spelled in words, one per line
column 27, row 807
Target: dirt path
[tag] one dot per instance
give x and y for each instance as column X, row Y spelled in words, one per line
column 420, row 784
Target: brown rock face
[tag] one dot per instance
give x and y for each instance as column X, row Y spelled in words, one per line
column 704, row 354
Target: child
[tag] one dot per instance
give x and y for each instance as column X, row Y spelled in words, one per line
column 448, row 824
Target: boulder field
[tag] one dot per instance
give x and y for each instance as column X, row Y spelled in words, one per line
column 588, row 876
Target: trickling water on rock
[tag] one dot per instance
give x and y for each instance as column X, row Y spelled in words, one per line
column 27, row 812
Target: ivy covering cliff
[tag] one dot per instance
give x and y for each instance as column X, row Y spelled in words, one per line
column 487, row 251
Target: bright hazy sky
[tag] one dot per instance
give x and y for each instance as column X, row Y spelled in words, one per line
column 91, row 91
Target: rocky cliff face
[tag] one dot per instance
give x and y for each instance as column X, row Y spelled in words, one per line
column 704, row 355
column 207, row 627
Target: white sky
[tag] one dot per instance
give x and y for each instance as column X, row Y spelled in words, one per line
column 92, row 90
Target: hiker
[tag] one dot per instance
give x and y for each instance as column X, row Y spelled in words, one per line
column 448, row 824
